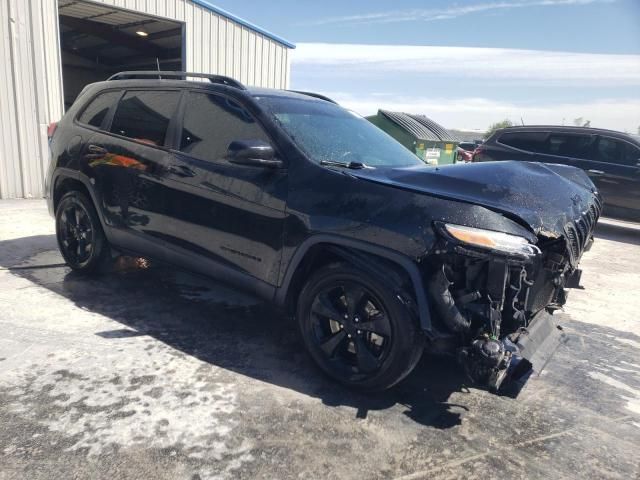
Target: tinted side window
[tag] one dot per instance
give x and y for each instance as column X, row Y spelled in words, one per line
column 144, row 116
column 609, row 150
column 212, row 122
column 529, row 141
column 98, row 108
column 569, row 145
column 631, row 155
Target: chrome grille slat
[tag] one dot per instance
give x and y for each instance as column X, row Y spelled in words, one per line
column 594, row 213
column 582, row 232
column 572, row 242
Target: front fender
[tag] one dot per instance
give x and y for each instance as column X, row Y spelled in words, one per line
column 357, row 253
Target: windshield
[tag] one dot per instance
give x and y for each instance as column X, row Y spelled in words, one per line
column 328, row 133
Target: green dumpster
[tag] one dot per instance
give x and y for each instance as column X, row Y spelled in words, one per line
column 431, row 142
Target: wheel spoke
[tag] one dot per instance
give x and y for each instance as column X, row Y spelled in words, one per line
column 377, row 323
column 330, row 346
column 355, row 296
column 323, row 306
column 77, row 217
column 367, row 362
column 69, row 218
column 82, row 246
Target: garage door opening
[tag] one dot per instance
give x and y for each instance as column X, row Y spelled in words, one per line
column 99, row 40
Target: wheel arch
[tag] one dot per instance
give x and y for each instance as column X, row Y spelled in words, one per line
column 386, row 265
column 65, row 180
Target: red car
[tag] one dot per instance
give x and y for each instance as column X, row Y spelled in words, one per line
column 464, row 152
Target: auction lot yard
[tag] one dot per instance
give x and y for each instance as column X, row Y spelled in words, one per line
column 153, row 373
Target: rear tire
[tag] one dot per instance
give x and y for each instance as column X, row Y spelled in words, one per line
column 357, row 329
column 81, row 239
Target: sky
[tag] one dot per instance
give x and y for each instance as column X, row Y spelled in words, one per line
column 468, row 63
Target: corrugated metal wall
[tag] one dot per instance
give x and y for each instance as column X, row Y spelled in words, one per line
column 235, row 50
column 31, row 80
column 30, row 93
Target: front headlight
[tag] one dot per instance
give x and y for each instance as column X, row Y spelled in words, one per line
column 489, row 239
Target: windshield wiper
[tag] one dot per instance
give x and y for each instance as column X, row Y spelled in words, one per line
column 351, row 165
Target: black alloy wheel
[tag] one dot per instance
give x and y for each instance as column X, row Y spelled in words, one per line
column 356, row 329
column 351, row 327
column 80, row 237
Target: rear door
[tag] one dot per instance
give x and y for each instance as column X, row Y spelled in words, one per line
column 232, row 213
column 128, row 161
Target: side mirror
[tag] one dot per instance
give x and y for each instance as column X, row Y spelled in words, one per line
column 253, row 153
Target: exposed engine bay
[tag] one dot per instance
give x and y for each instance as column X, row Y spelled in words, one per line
column 496, row 308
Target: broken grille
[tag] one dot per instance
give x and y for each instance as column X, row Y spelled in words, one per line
column 579, row 232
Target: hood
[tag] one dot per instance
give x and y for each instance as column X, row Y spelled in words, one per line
column 544, row 196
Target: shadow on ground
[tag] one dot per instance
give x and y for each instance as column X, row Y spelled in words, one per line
column 206, row 320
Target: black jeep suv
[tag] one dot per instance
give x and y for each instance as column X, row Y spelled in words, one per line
column 610, row 158
column 376, row 255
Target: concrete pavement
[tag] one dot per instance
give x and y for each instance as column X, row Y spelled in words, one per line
column 154, row 373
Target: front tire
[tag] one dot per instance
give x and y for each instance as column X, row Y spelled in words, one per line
column 357, row 329
column 81, row 239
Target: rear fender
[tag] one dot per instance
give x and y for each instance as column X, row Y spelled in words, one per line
column 61, row 174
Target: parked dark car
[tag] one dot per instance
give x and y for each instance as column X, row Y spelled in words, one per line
column 611, row 159
column 373, row 253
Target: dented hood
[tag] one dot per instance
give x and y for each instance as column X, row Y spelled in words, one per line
column 544, row 196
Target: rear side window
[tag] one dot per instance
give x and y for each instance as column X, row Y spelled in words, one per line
column 98, row 108
column 529, row 141
column 212, row 122
column 144, row 115
column 567, row 145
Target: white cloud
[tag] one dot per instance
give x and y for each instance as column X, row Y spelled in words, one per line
column 403, row 78
column 431, row 14
column 563, row 68
column 479, row 113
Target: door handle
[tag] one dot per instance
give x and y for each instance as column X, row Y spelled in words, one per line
column 181, row 170
column 596, row 172
column 96, row 152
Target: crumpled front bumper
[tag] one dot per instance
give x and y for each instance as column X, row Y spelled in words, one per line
column 531, row 350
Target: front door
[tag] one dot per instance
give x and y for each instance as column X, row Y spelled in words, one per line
column 232, row 213
column 614, row 169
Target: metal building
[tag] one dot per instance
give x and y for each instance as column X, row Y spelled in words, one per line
column 50, row 49
column 430, row 141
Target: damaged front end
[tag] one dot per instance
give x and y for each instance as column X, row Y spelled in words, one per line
column 493, row 295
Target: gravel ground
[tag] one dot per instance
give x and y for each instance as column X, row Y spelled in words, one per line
column 154, row 373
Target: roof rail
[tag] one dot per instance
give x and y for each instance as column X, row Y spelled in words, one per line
column 315, row 95
column 159, row 74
